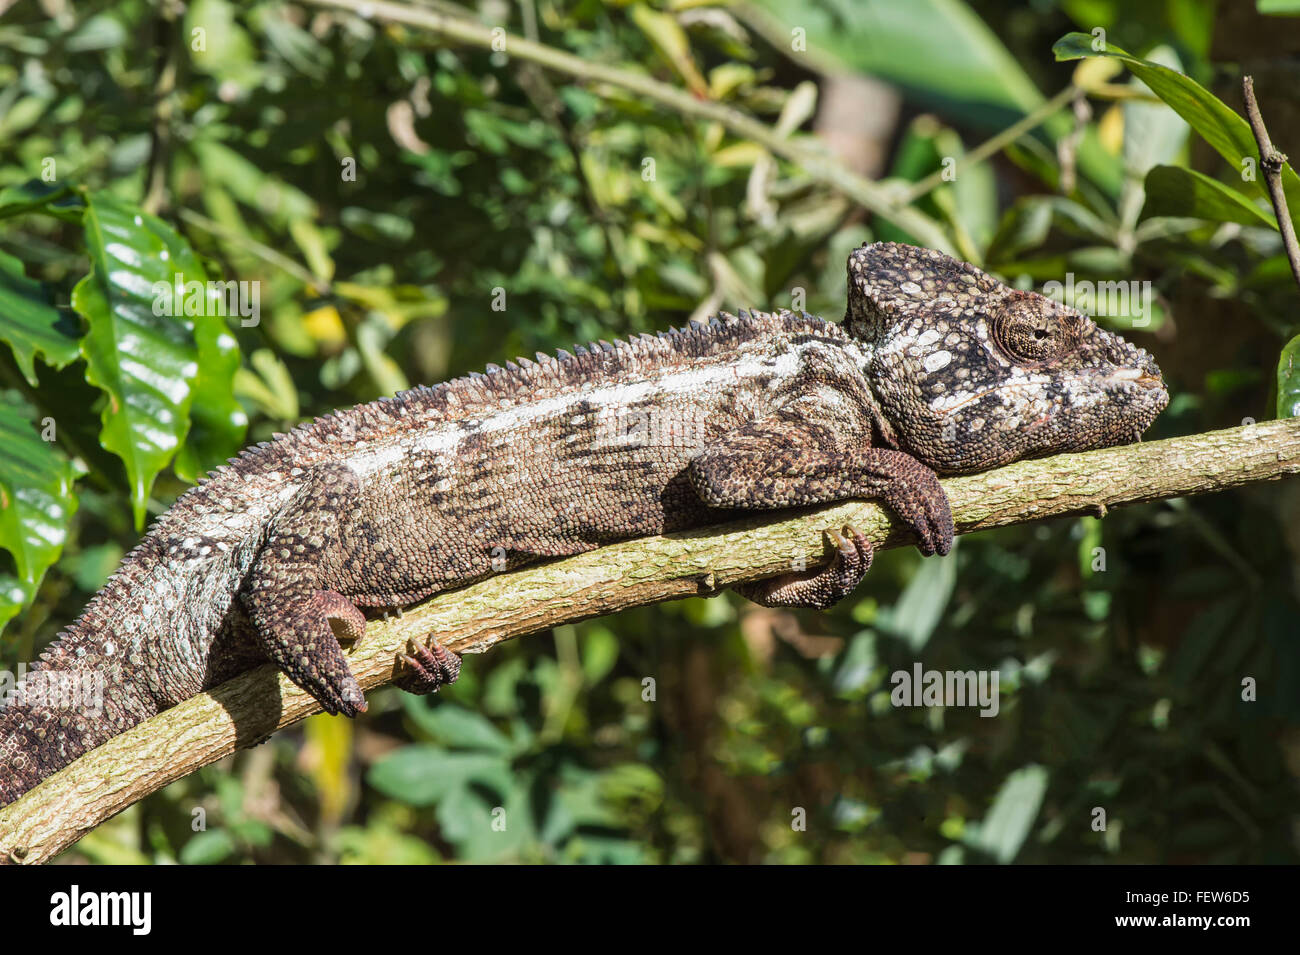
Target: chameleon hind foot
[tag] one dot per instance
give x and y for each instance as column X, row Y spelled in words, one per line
column 427, row 668
column 820, row 589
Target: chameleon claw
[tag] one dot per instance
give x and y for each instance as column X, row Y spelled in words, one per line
column 427, row 669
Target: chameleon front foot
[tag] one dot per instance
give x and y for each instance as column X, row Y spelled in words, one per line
column 427, row 668
column 301, row 636
column 822, row 588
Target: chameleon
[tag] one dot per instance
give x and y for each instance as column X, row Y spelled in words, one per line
column 936, row 368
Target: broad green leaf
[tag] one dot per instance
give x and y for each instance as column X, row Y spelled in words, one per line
column 217, row 421
column 381, row 843
column 1153, row 135
column 467, row 819
column 1288, row 380
column 422, row 774
column 1217, row 123
column 457, row 727
column 208, row 847
column 36, row 501
column 1004, row 829
column 29, row 322
column 146, row 364
column 1175, row 191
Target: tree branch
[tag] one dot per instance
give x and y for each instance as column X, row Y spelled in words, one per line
column 250, row 707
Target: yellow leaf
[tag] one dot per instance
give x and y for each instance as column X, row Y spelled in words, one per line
column 325, row 757
column 668, row 37
column 1093, row 73
column 739, row 154
column 325, row 326
column 1110, row 130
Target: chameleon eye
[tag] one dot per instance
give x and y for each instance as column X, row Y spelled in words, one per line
column 1029, row 337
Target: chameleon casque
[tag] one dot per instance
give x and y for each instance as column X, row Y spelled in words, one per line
column 937, row 368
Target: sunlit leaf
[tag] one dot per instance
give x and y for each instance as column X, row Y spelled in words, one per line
column 1288, row 380
column 1004, row 829
column 146, row 364
column 1175, row 191
column 36, row 501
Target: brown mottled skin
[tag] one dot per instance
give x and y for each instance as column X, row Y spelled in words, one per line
column 936, row 368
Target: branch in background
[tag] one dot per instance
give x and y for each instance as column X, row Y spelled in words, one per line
column 816, row 163
column 247, row 709
column 1271, row 162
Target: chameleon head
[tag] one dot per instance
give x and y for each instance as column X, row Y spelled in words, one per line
column 970, row 374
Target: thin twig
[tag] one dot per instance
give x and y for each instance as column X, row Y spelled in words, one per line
column 1271, row 162
column 247, row 709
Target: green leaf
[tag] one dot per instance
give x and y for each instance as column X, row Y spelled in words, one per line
column 146, row 364
column 1217, row 123
column 35, row 195
column 29, row 322
column 599, row 654
column 1288, row 380
column 465, row 820
column 1009, row 819
column 36, row 503
column 208, row 847
column 457, row 727
column 218, row 421
column 1174, row 191
column 923, row 601
column 422, row 774
column 279, row 202
column 380, row 843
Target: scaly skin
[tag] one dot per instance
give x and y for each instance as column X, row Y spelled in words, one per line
column 936, row 368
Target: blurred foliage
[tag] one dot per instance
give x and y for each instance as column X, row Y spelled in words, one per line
column 383, row 188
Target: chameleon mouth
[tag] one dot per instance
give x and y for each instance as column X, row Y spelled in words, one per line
column 1131, row 380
